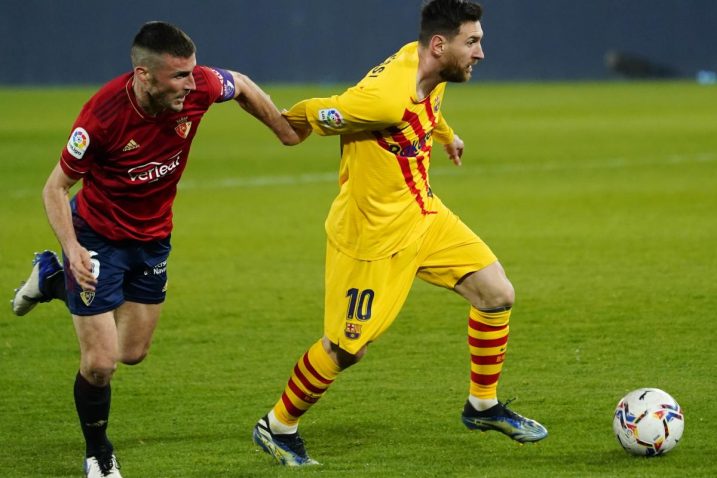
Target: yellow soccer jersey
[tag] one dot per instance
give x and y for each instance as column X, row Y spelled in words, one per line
column 385, row 201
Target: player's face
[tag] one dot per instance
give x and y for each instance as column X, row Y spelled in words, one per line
column 170, row 81
column 463, row 51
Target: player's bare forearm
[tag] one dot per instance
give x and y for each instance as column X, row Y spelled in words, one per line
column 257, row 103
column 57, row 207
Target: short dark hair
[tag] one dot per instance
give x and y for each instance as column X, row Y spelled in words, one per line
column 157, row 38
column 445, row 17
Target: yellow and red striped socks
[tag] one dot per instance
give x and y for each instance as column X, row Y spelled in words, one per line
column 311, row 377
column 487, row 342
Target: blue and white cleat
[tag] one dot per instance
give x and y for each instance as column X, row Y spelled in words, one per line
column 502, row 419
column 287, row 450
column 45, row 266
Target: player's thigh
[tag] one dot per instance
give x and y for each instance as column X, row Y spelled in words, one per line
column 487, row 288
column 144, row 290
column 97, row 336
column 363, row 298
column 136, row 323
column 451, row 251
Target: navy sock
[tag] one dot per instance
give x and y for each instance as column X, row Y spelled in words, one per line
column 55, row 286
column 93, row 409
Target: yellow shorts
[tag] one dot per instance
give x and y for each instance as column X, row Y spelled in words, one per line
column 364, row 297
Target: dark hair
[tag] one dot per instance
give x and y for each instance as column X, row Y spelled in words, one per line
column 157, row 38
column 445, row 17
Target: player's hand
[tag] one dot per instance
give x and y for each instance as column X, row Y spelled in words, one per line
column 302, row 130
column 455, row 150
column 82, row 267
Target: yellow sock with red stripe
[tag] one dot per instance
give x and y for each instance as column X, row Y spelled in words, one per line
column 311, row 377
column 487, row 342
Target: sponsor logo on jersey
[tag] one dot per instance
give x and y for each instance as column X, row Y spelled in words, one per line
column 183, row 127
column 154, row 171
column 130, row 146
column 412, row 149
column 352, row 331
column 78, row 143
column 331, row 117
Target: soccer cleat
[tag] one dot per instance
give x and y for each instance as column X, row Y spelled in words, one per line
column 502, row 419
column 102, row 467
column 287, row 450
column 45, row 266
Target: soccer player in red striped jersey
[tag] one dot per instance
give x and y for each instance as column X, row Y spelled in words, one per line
column 129, row 146
column 386, row 226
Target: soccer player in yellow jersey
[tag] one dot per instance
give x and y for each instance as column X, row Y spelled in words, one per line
column 386, row 227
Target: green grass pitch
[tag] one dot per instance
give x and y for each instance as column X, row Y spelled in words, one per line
column 599, row 199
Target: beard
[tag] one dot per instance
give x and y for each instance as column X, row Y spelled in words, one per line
column 454, row 72
column 163, row 100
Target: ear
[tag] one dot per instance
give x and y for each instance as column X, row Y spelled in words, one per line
column 437, row 45
column 142, row 73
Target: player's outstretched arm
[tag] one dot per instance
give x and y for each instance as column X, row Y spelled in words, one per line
column 257, row 103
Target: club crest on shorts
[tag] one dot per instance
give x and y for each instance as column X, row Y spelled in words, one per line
column 352, row 331
column 87, row 296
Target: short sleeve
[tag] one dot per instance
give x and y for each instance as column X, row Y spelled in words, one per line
column 220, row 83
column 82, row 145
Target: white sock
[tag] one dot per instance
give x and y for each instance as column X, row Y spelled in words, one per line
column 481, row 404
column 279, row 428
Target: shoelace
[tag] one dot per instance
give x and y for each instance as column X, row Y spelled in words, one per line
column 508, row 411
column 106, row 464
column 296, row 443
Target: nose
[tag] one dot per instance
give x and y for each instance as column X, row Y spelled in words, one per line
column 190, row 84
column 478, row 53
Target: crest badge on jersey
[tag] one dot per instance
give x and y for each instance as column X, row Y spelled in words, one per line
column 331, row 117
column 183, row 128
column 78, row 143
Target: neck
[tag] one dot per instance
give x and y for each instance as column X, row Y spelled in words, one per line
column 428, row 76
column 144, row 99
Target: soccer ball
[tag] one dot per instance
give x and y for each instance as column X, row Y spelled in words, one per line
column 648, row 422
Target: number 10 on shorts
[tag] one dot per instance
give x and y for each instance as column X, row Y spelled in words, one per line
column 360, row 302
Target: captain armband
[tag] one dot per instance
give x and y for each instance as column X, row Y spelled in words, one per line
column 227, row 81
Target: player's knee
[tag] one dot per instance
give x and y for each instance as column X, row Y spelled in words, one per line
column 346, row 359
column 502, row 297
column 99, row 372
column 134, row 356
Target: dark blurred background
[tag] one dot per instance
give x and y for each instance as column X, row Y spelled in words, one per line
column 87, row 41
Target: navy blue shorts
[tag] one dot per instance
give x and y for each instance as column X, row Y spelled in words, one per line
column 126, row 271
